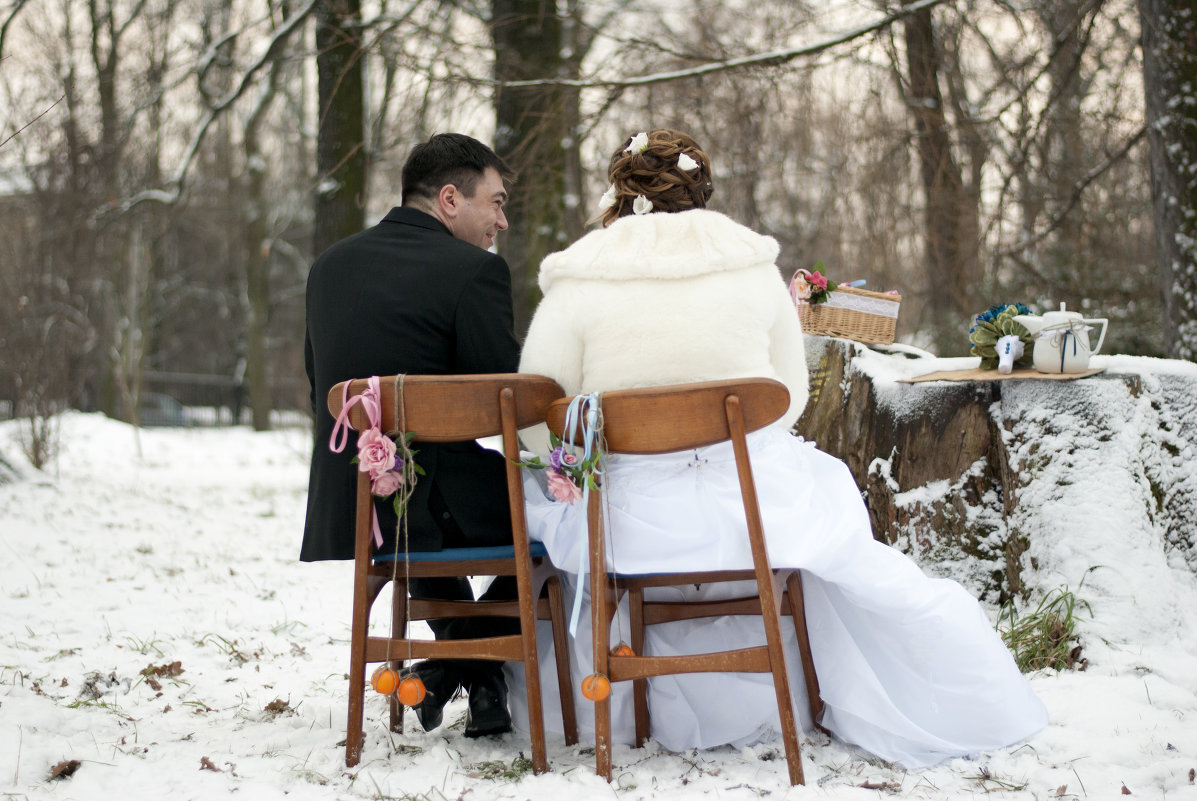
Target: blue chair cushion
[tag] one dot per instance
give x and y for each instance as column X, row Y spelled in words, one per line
column 464, row 554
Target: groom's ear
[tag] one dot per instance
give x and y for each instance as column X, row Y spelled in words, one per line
column 449, row 199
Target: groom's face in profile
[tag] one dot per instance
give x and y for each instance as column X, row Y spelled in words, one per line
column 480, row 216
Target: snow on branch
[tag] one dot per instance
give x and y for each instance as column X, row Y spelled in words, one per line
column 769, row 59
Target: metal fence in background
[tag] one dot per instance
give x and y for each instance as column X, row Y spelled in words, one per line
column 196, row 399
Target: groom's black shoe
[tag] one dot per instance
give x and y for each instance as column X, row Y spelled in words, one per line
column 488, row 703
column 441, row 680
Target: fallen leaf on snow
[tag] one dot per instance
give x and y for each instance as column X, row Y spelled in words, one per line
column 64, row 769
column 172, row 669
column 278, row 707
column 892, row 787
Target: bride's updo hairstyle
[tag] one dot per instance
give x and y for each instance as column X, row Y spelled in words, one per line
column 654, row 172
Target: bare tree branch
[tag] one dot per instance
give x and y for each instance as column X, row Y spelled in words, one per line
column 770, row 59
column 1077, row 191
column 35, row 119
column 8, row 20
column 174, row 187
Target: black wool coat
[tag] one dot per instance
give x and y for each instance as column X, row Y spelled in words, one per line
column 406, row 296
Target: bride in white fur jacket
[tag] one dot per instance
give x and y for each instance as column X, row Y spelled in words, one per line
column 669, row 292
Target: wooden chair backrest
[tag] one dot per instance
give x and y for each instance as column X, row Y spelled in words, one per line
column 679, row 417
column 450, row 408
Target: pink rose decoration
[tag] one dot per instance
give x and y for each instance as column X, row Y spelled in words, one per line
column 562, row 488
column 375, row 453
column 817, row 279
column 569, row 458
column 387, row 484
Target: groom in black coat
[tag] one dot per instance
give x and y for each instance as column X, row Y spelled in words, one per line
column 420, row 293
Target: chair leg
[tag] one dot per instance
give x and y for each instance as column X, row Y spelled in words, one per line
column 569, row 715
column 527, row 606
column 357, row 678
column 353, row 731
column 770, row 603
column 639, row 686
column 603, row 612
column 798, row 612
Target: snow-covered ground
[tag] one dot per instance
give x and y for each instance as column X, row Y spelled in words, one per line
column 157, row 628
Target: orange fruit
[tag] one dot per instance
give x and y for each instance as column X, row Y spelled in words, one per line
column 411, row 691
column 384, row 681
column 623, row 649
column 596, row 687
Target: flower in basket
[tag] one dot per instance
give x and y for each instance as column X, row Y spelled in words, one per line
column 993, row 324
column 567, row 473
column 811, row 286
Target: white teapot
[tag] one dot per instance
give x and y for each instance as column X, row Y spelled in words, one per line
column 1062, row 340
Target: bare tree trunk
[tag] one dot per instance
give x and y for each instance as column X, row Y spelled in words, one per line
column 119, row 241
column 529, row 131
column 1169, row 75
column 1063, row 160
column 574, row 183
column 257, row 257
column 975, row 147
column 948, row 300
column 341, row 142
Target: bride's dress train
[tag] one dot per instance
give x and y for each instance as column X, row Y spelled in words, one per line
column 909, row 666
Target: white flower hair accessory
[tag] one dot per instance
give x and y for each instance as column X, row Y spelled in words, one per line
column 641, row 205
column 639, row 144
column 608, row 198
column 685, row 163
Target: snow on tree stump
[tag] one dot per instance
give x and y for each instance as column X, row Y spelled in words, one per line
column 975, row 480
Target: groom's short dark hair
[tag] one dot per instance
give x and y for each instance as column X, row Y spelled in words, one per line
column 449, row 158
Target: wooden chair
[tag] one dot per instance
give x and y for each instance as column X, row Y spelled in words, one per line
column 676, row 418
column 456, row 408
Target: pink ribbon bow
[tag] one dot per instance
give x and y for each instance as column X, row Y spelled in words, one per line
column 370, row 401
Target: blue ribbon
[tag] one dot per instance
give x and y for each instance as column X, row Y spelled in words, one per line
column 1064, row 347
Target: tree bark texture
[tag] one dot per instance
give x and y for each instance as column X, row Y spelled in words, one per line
column 530, row 131
column 257, row 259
column 1169, row 39
column 957, row 473
column 1062, row 164
column 948, row 301
column 341, row 133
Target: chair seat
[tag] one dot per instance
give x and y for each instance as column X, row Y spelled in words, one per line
column 537, row 550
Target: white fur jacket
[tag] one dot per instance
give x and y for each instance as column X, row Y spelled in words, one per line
column 666, row 299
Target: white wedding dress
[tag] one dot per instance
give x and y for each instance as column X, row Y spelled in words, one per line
column 909, row 667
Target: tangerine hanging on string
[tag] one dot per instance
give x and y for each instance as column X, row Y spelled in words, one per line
column 411, row 690
column 596, row 687
column 623, row 649
column 385, row 680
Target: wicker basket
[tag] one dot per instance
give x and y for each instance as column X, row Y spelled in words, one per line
column 852, row 313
